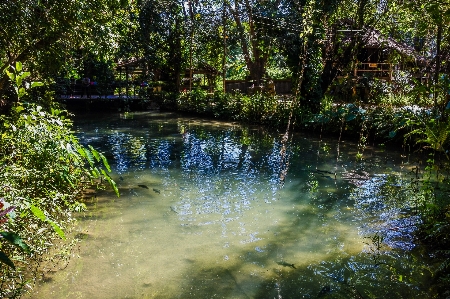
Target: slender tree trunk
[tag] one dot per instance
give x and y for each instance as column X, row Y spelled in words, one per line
column 338, row 62
column 361, row 9
column 255, row 58
column 437, row 69
column 191, row 37
column 224, row 61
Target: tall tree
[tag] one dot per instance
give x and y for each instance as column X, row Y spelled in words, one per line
column 43, row 33
column 323, row 48
column 255, row 43
column 160, row 34
column 312, row 58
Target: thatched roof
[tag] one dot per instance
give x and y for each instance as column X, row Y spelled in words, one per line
column 373, row 38
column 131, row 62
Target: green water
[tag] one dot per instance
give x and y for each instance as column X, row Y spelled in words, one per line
column 215, row 210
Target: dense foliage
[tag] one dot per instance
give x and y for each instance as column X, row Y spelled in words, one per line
column 316, row 44
column 44, row 171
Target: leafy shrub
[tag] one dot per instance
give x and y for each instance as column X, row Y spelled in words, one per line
column 258, row 108
column 196, row 101
column 43, row 172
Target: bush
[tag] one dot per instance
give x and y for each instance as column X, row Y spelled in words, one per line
column 43, row 172
column 258, row 108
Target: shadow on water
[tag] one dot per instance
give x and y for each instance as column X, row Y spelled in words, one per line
column 343, row 278
column 266, row 274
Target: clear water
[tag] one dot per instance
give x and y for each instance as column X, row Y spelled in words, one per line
column 215, row 210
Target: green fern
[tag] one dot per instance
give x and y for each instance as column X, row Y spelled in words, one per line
column 434, row 133
column 446, row 263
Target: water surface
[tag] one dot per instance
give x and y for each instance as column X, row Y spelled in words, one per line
column 216, row 210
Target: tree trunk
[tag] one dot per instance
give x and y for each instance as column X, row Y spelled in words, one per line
column 255, row 59
column 437, row 69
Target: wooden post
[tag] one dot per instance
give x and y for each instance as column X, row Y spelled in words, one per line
column 126, row 82
column 120, row 84
column 390, row 72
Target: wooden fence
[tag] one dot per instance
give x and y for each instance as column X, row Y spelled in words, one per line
column 282, row 87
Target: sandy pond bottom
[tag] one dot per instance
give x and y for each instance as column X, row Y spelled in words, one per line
column 191, row 231
column 139, row 246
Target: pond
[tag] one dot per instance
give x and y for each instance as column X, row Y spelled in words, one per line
column 212, row 209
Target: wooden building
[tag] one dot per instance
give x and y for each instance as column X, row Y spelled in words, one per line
column 375, row 57
column 203, row 77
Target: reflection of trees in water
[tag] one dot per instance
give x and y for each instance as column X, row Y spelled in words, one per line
column 127, row 150
column 223, row 171
column 195, row 156
column 136, row 152
column 226, row 166
column 221, row 174
column 384, row 209
column 226, row 152
column 159, row 152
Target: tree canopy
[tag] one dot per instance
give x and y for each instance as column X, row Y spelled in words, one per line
column 239, row 38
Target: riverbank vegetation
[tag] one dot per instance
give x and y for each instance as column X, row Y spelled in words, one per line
column 374, row 71
column 44, row 172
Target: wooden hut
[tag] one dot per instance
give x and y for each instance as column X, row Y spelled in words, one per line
column 374, row 57
column 203, row 77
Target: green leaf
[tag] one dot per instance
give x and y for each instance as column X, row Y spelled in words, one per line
column 21, row 92
column 94, row 153
column 16, row 240
column 36, row 84
column 105, row 162
column 89, row 157
column 350, row 117
column 95, row 172
column 18, row 109
column 111, row 182
column 40, row 214
column 25, row 75
column 392, row 134
column 80, row 151
column 448, row 106
column 57, row 229
column 19, row 66
column 5, row 260
column 12, row 76
column 67, row 178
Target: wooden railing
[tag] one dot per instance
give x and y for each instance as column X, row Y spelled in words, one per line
column 381, row 70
